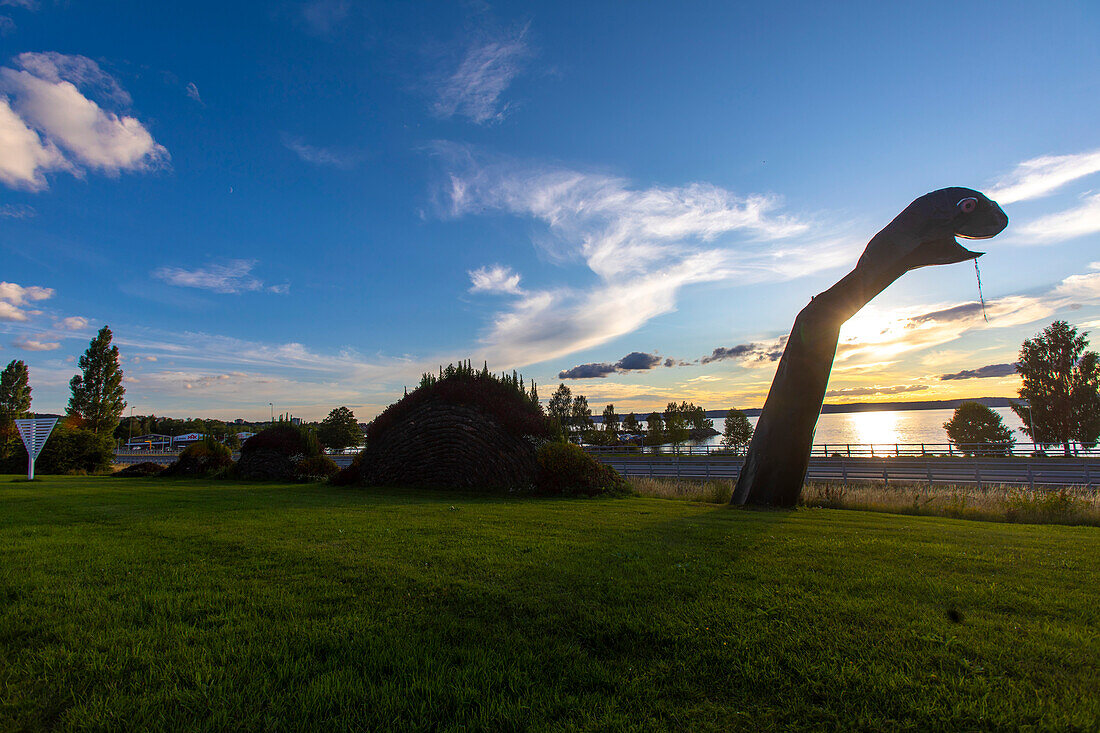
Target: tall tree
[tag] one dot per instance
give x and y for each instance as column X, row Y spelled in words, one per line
column 15, row 392
column 974, row 427
column 339, row 430
column 610, row 422
column 736, row 432
column 630, row 424
column 675, row 423
column 560, row 404
column 1061, row 384
column 97, row 392
column 655, row 429
column 580, row 416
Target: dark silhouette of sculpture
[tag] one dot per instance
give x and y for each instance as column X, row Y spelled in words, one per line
column 924, row 234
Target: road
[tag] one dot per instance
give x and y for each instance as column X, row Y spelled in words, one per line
column 1050, row 471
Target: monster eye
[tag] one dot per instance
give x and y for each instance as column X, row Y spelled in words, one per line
column 968, row 205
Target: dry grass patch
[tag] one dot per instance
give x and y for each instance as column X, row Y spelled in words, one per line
column 1075, row 505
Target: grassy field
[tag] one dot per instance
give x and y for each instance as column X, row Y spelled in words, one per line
column 170, row 605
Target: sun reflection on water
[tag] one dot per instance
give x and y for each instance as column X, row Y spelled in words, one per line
column 875, row 427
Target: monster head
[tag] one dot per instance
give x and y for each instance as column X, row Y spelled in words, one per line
column 924, row 234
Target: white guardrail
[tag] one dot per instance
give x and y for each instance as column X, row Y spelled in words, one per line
column 1040, row 471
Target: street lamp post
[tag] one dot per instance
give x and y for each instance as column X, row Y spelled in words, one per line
column 272, row 406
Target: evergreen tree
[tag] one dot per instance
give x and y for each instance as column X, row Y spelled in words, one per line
column 736, row 432
column 15, row 392
column 1061, row 383
column 97, row 393
column 630, row 424
column 339, row 430
column 974, row 426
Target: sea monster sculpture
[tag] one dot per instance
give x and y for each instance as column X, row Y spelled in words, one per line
column 924, row 234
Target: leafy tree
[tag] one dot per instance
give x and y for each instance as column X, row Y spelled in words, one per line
column 1061, row 383
column 655, row 429
column 15, row 393
column 675, row 423
column 97, row 393
column 736, row 432
column 630, row 424
column 610, row 422
column 975, row 426
column 580, row 416
column 561, row 402
column 339, row 430
column 696, row 417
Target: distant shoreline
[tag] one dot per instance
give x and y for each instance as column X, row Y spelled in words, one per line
column 871, row 407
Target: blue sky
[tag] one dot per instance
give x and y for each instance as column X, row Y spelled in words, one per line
column 309, row 203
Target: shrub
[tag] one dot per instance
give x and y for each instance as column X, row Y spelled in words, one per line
column 201, row 459
column 499, row 398
column 140, row 470
column 285, row 439
column 273, row 454
column 565, row 469
column 316, row 468
column 351, row 474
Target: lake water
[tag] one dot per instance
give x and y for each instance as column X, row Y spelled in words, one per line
column 887, row 427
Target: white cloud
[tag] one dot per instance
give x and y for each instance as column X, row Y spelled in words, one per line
column 1043, row 175
column 643, row 244
column 24, row 157
column 233, row 277
column 26, row 4
column 1062, row 225
column 7, row 25
column 9, row 312
column 45, row 111
column 32, row 344
column 321, row 156
column 72, row 323
column 495, row 279
column 473, row 90
column 19, row 295
column 81, row 71
column 193, row 92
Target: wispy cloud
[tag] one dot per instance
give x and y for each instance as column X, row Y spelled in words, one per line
column 193, row 92
column 1043, row 175
column 33, row 344
column 72, row 323
column 17, row 211
column 7, row 25
column 473, row 89
column 46, row 112
column 321, row 156
column 495, row 279
column 1062, row 225
column 876, row 390
column 233, row 277
column 323, row 17
column 752, row 353
column 25, row 4
column 643, row 244
column 985, row 372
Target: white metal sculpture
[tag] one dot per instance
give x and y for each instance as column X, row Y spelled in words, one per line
column 34, row 433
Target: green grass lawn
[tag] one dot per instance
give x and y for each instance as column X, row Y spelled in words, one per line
column 158, row 604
